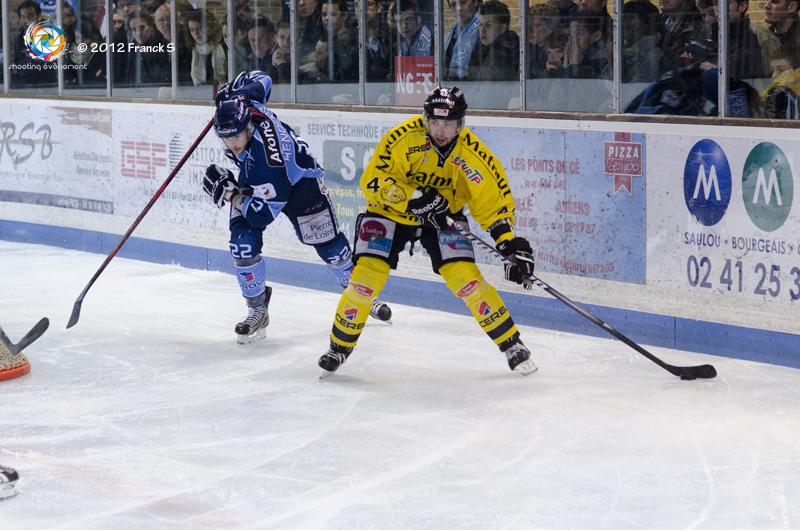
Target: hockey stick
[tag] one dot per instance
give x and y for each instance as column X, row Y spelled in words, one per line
column 705, row 371
column 76, row 309
column 35, row 332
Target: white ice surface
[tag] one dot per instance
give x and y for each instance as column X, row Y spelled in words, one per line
column 147, row 415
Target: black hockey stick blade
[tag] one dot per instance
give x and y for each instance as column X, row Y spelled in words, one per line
column 35, row 332
column 76, row 311
column 705, row 371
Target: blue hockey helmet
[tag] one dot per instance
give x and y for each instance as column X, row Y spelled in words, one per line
column 232, row 117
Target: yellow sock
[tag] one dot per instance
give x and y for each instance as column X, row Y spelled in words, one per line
column 368, row 278
column 467, row 282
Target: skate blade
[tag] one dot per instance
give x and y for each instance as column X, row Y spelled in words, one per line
column 261, row 334
column 324, row 374
column 526, row 367
column 7, row 491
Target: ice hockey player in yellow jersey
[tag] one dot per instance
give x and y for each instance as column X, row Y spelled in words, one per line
column 424, row 171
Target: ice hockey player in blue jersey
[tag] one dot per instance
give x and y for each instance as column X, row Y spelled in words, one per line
column 277, row 174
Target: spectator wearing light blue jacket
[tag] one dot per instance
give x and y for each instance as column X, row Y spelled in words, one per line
column 461, row 42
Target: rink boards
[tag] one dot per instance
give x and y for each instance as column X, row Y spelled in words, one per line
column 681, row 236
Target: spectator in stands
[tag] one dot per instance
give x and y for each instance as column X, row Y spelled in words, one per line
column 320, row 71
column 162, row 20
column 542, row 21
column 782, row 60
column 118, row 33
column 708, row 11
column 28, row 12
column 261, row 36
column 242, row 8
column 209, row 62
column 781, row 98
column 679, row 91
column 556, row 54
column 781, row 15
column 68, row 22
column 310, row 29
column 461, row 42
column 342, row 35
column 566, row 10
column 586, row 52
column 93, row 62
column 498, row 56
column 415, row 38
column 161, row 17
column 120, row 38
column 602, row 44
column 378, row 42
column 146, row 67
column 693, row 89
column 641, row 54
column 241, row 46
column 597, row 8
column 681, row 22
column 126, row 7
column 282, row 56
column 744, row 50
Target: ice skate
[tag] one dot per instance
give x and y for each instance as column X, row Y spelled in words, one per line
column 254, row 326
column 332, row 359
column 381, row 311
column 519, row 357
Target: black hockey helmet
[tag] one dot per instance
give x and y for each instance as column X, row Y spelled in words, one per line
column 232, row 117
column 446, row 104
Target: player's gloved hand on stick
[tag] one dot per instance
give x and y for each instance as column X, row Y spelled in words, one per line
column 220, row 185
column 430, row 207
column 519, row 251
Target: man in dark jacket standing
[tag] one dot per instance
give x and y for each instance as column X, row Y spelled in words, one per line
column 744, row 51
column 781, row 15
column 499, row 47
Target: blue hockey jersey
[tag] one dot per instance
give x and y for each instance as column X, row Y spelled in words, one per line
column 276, row 158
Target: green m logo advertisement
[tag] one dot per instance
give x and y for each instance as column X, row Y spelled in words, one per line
column 767, row 188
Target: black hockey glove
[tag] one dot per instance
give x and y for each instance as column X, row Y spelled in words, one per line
column 519, row 251
column 430, row 208
column 220, row 185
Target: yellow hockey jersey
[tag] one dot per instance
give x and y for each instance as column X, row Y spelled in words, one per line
column 470, row 175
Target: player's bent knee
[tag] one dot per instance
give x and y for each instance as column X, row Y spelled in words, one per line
column 368, row 278
column 464, row 279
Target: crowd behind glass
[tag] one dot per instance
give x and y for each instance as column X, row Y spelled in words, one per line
column 557, row 55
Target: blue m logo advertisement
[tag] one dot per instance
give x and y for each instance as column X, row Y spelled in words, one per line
column 707, row 182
